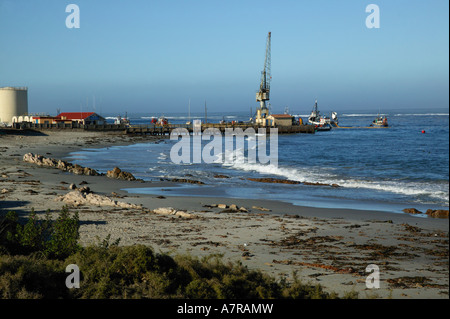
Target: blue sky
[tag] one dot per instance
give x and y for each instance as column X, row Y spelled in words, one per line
column 152, row 56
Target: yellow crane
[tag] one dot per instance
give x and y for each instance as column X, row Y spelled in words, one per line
column 264, row 88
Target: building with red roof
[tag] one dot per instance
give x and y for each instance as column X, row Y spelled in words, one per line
column 86, row 118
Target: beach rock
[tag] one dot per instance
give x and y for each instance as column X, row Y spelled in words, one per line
column 184, row 180
column 77, row 170
column 233, row 208
column 172, row 211
column 49, row 162
column 114, row 194
column 412, row 211
column 261, row 208
column 221, row 176
column 85, row 190
column 127, row 176
column 114, row 173
column 4, row 191
column 272, row 180
column 438, row 213
column 62, row 165
column 119, row 174
column 72, row 186
column 90, row 172
column 33, row 159
column 76, row 198
column 320, row 184
column 184, row 214
column 164, row 210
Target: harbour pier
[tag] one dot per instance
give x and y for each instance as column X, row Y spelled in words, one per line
column 153, row 129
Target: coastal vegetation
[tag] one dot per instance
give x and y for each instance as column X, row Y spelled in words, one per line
column 34, row 254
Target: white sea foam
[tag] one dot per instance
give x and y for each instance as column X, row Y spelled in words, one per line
column 162, row 156
column 356, row 115
column 423, row 114
column 316, row 175
column 398, row 114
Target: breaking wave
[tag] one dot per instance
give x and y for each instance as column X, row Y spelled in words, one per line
column 326, row 176
column 357, row 115
column 423, row 114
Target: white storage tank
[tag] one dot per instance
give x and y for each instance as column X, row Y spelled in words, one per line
column 13, row 103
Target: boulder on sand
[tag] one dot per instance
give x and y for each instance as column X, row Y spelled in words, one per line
column 119, row 174
column 78, row 198
column 437, row 213
column 412, row 211
column 172, row 211
column 62, row 165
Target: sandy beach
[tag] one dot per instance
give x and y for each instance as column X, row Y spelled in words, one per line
column 332, row 247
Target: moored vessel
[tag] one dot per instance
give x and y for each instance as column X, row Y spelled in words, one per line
column 321, row 122
column 380, row 121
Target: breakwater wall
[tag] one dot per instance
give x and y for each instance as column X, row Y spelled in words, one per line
column 155, row 129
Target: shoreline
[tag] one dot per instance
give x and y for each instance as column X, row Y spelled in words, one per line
column 287, row 238
column 220, row 182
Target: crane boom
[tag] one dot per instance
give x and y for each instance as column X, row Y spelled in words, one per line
column 267, row 62
column 264, row 87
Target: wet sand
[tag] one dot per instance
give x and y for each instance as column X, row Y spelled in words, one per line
column 332, row 247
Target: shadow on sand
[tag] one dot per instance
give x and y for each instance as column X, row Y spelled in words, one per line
column 25, row 132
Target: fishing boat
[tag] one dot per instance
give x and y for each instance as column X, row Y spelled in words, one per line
column 159, row 121
column 122, row 120
column 380, row 121
column 321, row 123
column 162, row 121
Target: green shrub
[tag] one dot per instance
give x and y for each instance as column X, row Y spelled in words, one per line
column 299, row 290
column 201, row 289
column 62, row 239
column 111, row 271
column 55, row 239
column 29, row 277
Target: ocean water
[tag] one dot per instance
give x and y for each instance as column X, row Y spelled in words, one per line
column 385, row 169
